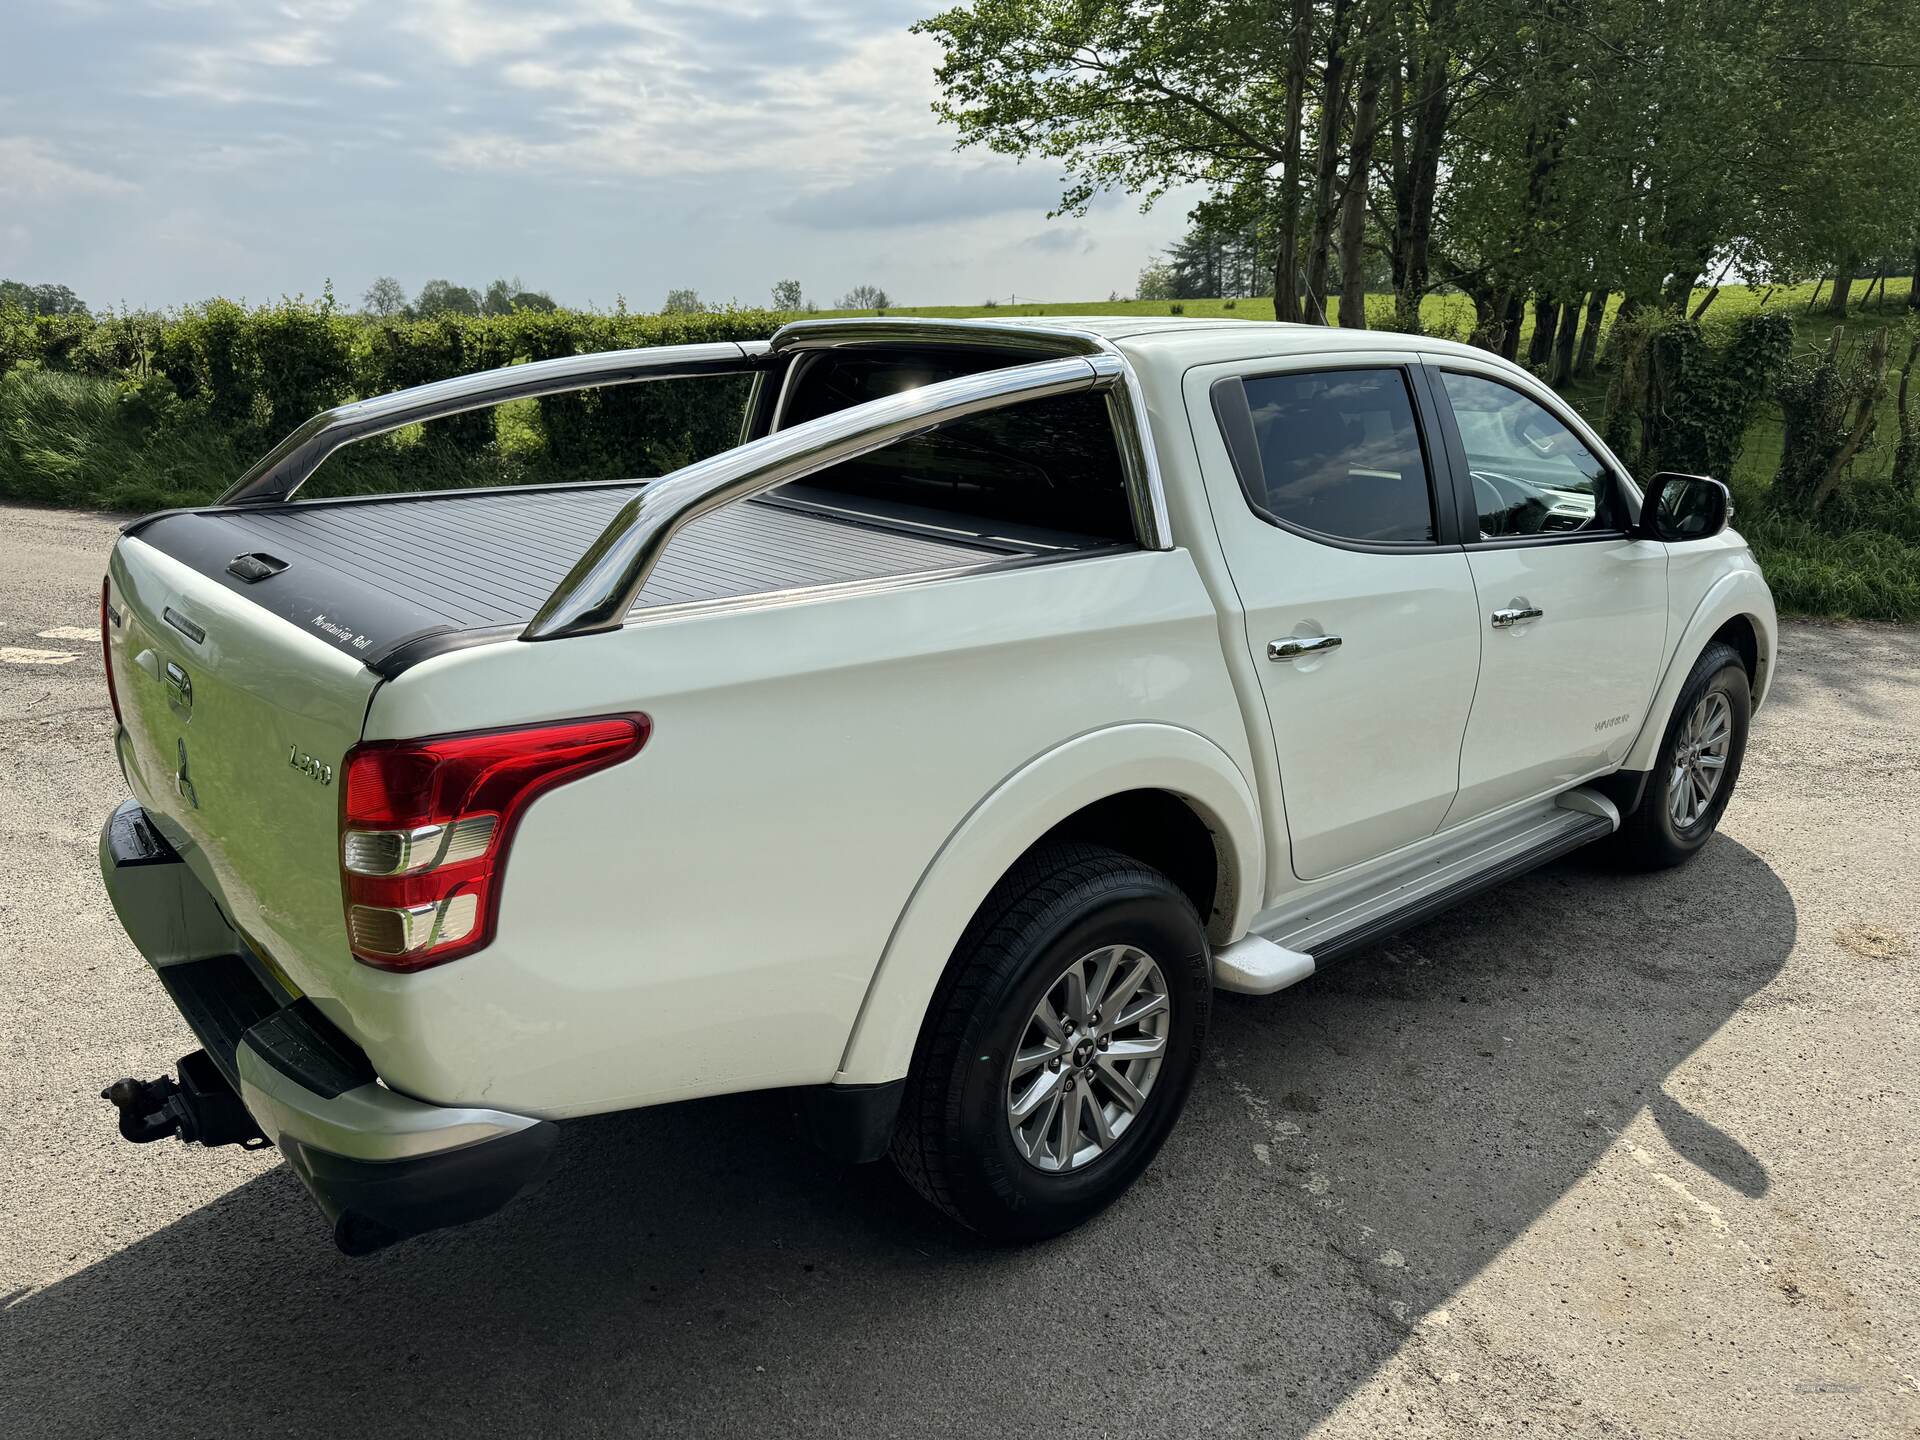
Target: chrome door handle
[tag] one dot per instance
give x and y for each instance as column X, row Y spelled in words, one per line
column 1293, row 648
column 1503, row 618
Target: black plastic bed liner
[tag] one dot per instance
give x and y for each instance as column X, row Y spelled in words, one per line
column 374, row 575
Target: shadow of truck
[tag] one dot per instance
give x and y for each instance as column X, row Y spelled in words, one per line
column 697, row 1268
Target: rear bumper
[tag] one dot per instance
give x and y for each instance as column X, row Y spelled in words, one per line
column 382, row 1166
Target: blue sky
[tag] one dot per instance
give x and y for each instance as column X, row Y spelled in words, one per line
column 160, row 151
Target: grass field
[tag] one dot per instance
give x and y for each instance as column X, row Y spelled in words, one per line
column 1451, row 316
column 70, row 438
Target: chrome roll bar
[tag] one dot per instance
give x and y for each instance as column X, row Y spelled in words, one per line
column 287, row 467
column 604, row 585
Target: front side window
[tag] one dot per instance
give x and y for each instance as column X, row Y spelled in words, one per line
column 1531, row 475
column 1339, row 454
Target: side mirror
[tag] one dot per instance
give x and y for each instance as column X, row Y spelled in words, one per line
column 1680, row 507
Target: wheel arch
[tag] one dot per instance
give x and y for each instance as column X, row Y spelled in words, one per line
column 1737, row 608
column 1138, row 788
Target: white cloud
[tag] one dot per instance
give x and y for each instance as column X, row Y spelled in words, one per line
column 926, row 192
column 595, row 146
column 29, row 167
column 651, row 107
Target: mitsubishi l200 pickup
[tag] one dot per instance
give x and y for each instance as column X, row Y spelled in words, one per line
column 931, row 754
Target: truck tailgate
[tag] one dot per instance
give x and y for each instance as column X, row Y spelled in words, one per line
column 235, row 723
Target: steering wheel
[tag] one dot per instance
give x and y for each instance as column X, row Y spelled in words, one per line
column 1500, row 499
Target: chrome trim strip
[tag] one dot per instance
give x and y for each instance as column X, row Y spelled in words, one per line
column 604, row 584
column 289, row 465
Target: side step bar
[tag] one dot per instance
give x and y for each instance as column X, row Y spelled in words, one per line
column 1252, row 966
column 1357, row 917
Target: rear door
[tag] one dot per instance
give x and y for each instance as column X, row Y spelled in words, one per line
column 235, row 725
column 1572, row 609
column 1360, row 609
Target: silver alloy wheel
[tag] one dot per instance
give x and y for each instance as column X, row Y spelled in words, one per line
column 1699, row 759
column 1088, row 1058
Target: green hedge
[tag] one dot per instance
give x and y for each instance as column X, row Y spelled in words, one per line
column 224, row 382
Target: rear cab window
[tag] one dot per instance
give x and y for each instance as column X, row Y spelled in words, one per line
column 1337, row 454
column 1046, row 473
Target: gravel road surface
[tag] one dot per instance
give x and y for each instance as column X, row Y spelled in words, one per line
column 1593, row 1155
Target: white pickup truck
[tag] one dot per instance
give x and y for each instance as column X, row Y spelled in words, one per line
column 931, row 754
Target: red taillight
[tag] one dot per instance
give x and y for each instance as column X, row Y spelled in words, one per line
column 425, row 826
column 107, row 621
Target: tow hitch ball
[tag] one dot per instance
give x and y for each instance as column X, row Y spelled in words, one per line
column 200, row 1107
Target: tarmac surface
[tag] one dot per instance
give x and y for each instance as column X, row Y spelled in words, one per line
column 1595, row 1154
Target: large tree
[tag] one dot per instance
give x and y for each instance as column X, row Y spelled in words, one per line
column 443, row 297
column 1543, row 152
column 1292, row 113
column 41, row 299
column 1140, row 98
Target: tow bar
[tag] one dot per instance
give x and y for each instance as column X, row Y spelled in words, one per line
column 200, row 1107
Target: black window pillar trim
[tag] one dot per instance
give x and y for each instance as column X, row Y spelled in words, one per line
column 1466, row 508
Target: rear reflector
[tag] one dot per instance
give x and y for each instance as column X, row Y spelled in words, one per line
column 108, row 619
column 425, row 826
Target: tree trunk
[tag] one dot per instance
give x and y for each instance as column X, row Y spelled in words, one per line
column 1563, row 343
column 1629, row 307
column 1713, row 292
column 1510, row 327
column 1677, row 294
column 1863, row 421
column 1333, row 105
column 1590, row 332
column 1353, row 219
column 1913, row 295
column 1489, row 319
column 1286, row 265
column 1431, row 108
column 1842, row 287
column 1546, row 321
column 1906, row 450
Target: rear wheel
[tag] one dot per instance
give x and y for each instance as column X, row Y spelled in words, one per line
column 1696, row 767
column 1061, row 1047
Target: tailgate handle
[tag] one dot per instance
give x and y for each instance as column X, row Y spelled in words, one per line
column 182, row 686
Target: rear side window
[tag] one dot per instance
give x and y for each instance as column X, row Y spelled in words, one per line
column 1338, row 453
column 1049, row 467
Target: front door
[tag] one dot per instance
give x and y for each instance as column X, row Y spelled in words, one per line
column 1572, row 609
column 1360, row 610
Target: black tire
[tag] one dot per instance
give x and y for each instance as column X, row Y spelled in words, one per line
column 954, row 1143
column 1649, row 838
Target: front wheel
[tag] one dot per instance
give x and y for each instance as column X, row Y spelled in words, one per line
column 1061, row 1047
column 1696, row 768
